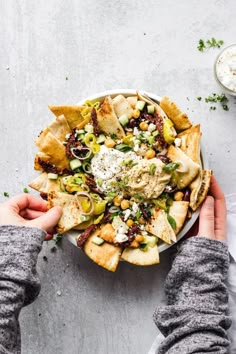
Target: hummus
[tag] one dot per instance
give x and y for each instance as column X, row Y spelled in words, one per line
column 147, row 178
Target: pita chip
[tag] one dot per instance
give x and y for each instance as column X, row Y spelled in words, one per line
column 141, row 258
column 178, row 210
column 105, row 255
column 72, row 114
column 160, row 226
column 40, row 182
column 107, row 119
column 122, row 106
column 190, row 143
column 187, row 170
column 53, row 151
column 199, row 189
column 71, row 213
column 179, row 118
column 59, row 128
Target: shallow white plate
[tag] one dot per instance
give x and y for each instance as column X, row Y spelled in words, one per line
column 72, row 235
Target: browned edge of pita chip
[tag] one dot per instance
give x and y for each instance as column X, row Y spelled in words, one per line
column 160, row 227
column 72, row 113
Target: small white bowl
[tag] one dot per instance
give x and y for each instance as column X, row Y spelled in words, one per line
column 72, row 235
column 221, row 64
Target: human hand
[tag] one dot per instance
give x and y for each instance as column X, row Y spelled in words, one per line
column 27, row 210
column 212, row 219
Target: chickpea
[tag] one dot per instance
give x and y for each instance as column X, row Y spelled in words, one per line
column 110, row 143
column 141, row 221
column 117, row 201
column 134, row 244
column 139, row 238
column 178, row 196
column 129, row 222
column 143, row 126
column 124, row 204
column 150, row 154
column 136, row 113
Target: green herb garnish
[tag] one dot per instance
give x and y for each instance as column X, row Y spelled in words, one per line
column 6, row 194
column 152, row 169
column 139, row 197
column 123, row 147
column 216, row 98
column 172, row 221
column 57, row 238
column 138, row 214
column 25, row 190
column 199, row 98
column 113, row 136
column 129, row 163
column 209, row 43
column 171, row 167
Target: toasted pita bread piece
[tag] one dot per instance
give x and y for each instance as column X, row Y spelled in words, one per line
column 107, row 119
column 190, row 143
column 141, row 258
column 71, row 213
column 40, row 182
column 43, row 184
column 178, row 210
column 160, row 226
column 122, row 106
column 53, row 151
column 72, row 113
column 200, row 189
column 105, row 255
column 59, row 128
column 187, row 170
column 180, row 119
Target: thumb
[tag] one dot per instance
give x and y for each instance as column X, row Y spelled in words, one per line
column 207, row 219
column 48, row 220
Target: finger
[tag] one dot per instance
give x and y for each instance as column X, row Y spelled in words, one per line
column 30, row 214
column 25, row 200
column 48, row 220
column 220, row 210
column 207, row 219
column 48, row 237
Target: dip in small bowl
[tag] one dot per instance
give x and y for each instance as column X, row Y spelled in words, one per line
column 225, row 69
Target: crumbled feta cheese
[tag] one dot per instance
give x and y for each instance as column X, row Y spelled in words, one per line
column 121, row 238
column 126, row 214
column 89, row 128
column 151, row 127
column 177, row 142
column 168, row 188
column 67, row 136
column 136, row 131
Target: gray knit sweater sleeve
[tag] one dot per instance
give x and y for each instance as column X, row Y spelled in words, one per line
column 19, row 282
column 196, row 317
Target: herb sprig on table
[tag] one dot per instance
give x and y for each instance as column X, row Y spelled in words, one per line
column 209, row 43
column 216, row 98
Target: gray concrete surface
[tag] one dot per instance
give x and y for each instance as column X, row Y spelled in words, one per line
column 57, row 52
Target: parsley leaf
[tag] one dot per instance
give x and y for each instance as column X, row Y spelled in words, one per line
column 152, row 169
column 25, row 190
column 58, row 239
column 171, row 167
column 6, row 194
column 172, row 221
column 209, row 43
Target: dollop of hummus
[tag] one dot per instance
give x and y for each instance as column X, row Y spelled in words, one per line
column 147, row 178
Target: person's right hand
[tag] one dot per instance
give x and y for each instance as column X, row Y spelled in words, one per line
column 212, row 218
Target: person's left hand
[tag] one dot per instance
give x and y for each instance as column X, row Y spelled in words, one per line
column 27, row 210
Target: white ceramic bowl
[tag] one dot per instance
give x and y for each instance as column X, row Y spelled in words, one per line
column 71, row 235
